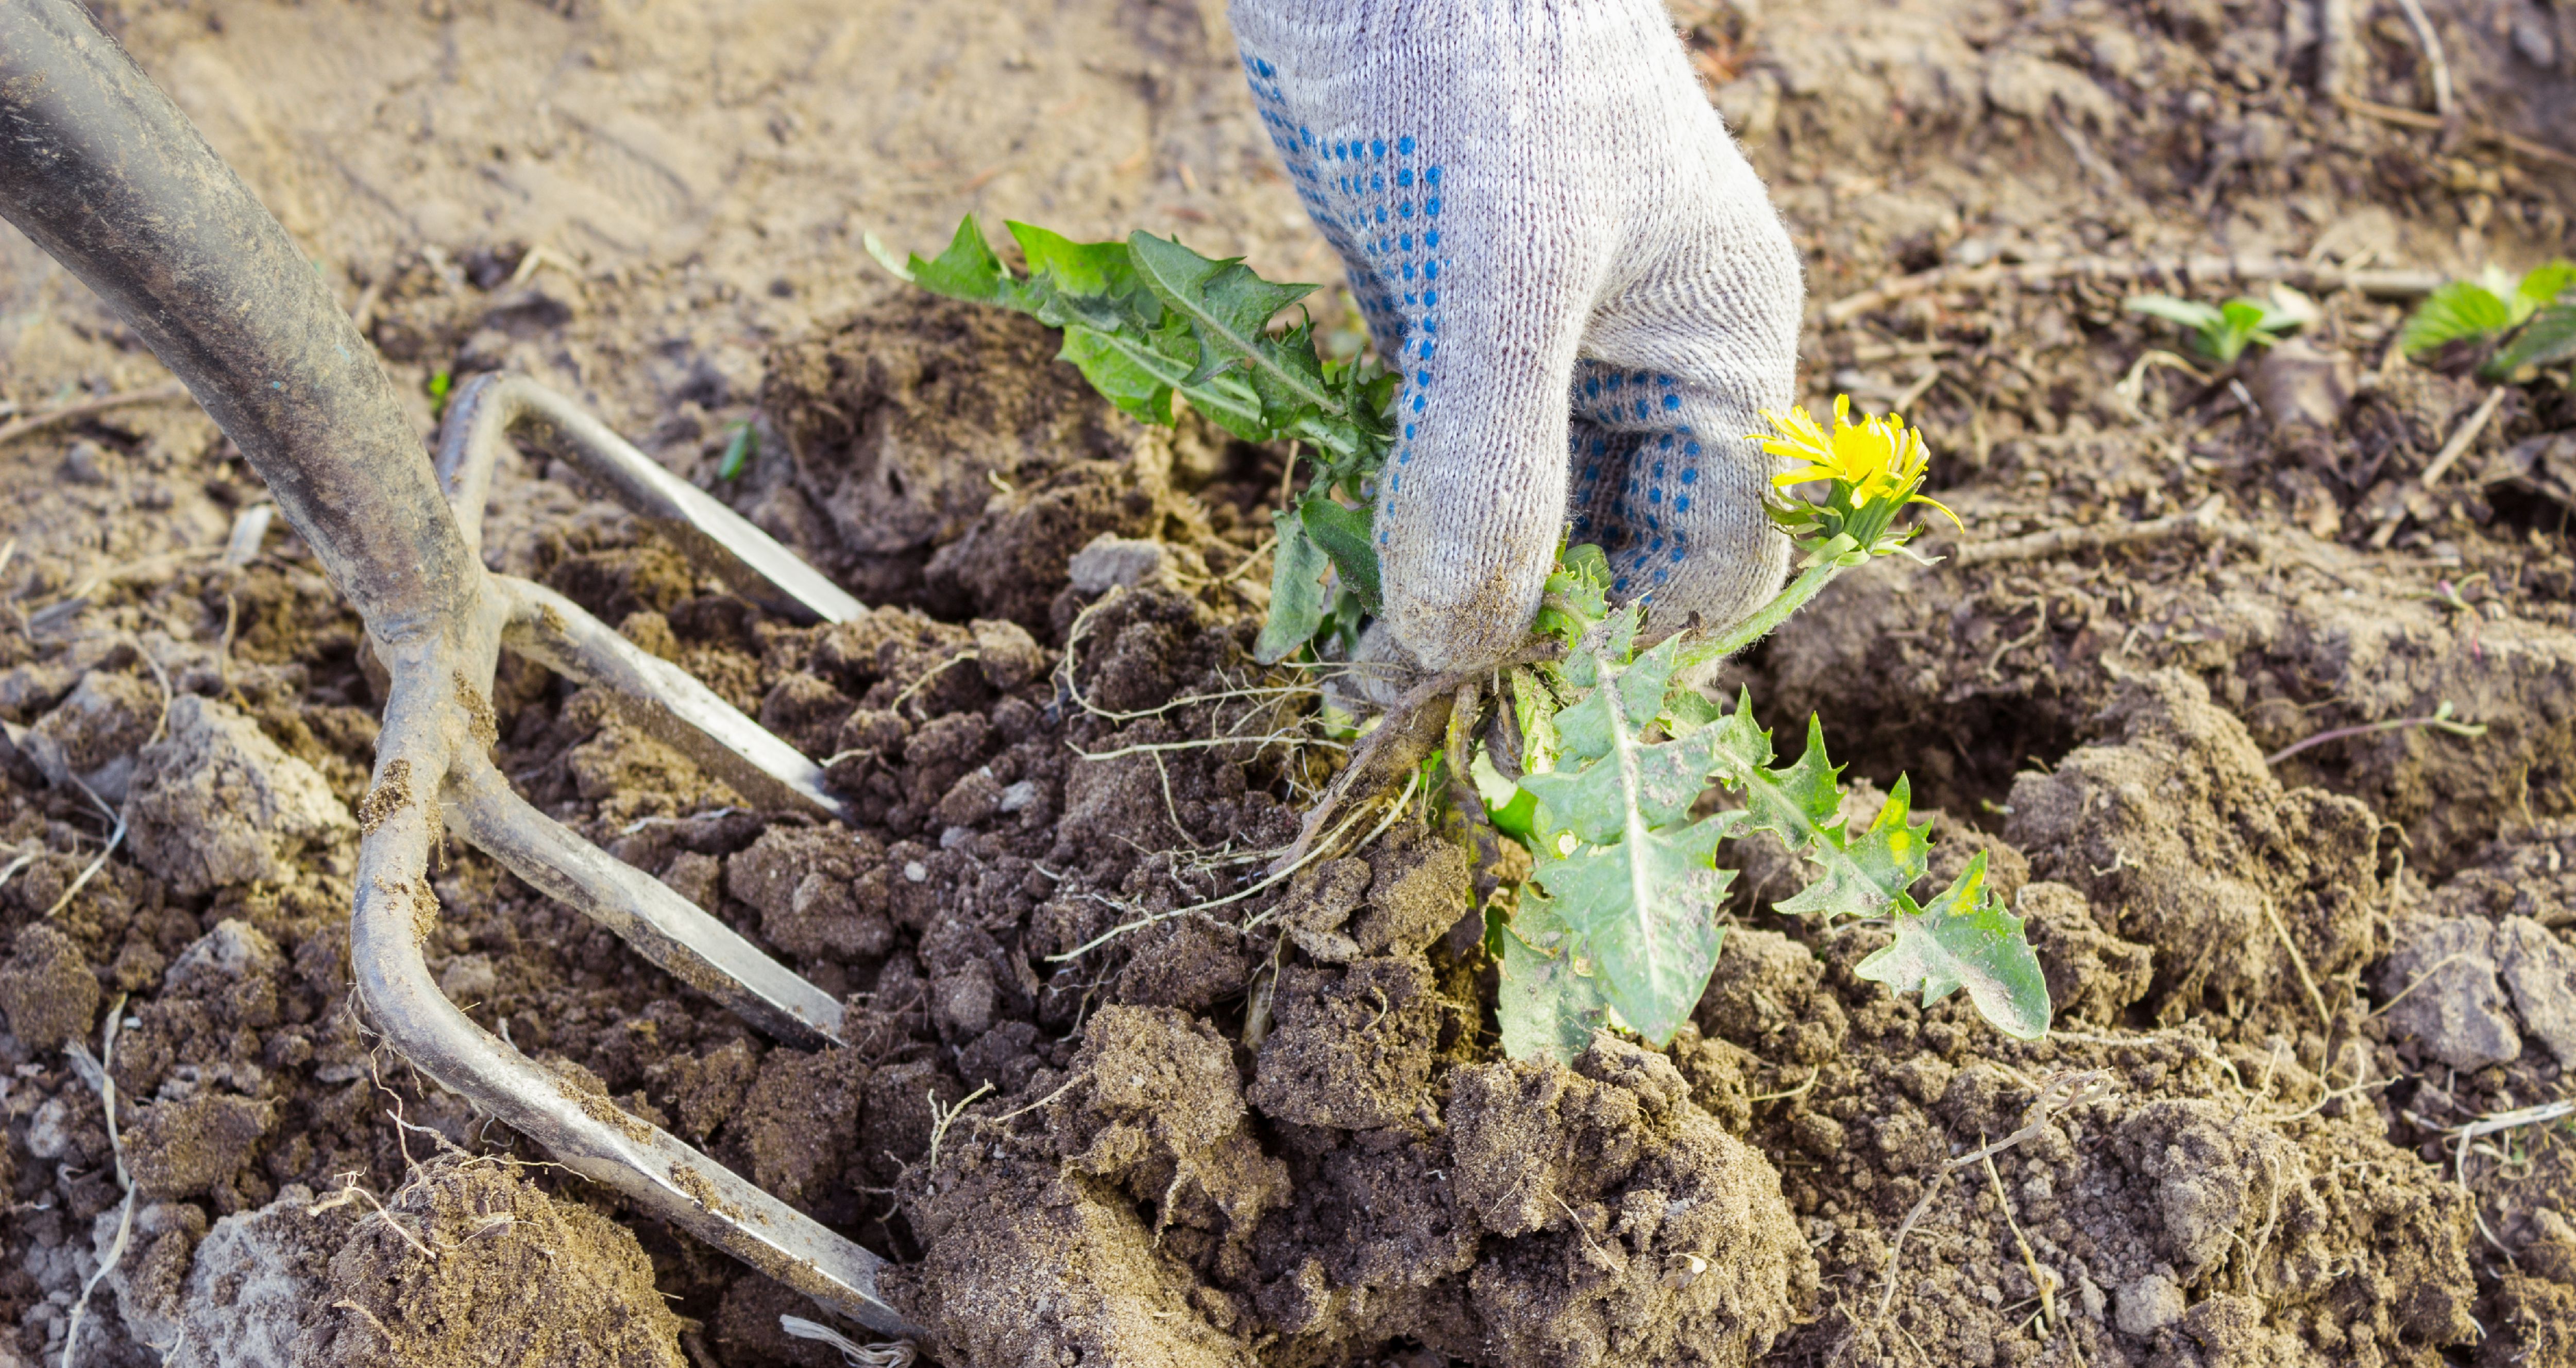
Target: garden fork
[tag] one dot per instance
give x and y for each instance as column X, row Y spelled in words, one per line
column 99, row 168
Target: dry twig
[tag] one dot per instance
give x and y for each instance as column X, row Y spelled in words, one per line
column 2123, row 271
column 2465, row 434
column 2481, row 131
column 2445, row 106
column 64, row 413
column 2059, row 541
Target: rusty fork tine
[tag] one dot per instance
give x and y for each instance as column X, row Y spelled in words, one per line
column 587, row 1134
column 664, row 927
column 665, row 700
column 491, row 408
column 546, row 627
column 109, row 177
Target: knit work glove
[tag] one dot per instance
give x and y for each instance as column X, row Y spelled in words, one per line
column 1584, row 284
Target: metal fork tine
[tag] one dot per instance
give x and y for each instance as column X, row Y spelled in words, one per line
column 664, row 700
column 492, row 407
column 664, row 927
column 589, row 1135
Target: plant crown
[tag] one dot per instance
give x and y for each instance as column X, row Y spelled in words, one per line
column 1617, row 926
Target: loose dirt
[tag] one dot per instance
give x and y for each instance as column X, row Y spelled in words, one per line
column 1201, row 1126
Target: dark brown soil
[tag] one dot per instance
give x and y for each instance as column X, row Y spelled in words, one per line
column 1275, row 1128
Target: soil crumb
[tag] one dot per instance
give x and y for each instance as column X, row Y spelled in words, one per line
column 468, row 1263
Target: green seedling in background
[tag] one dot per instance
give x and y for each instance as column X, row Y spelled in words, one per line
column 1617, row 926
column 739, row 450
column 2528, row 309
column 2222, row 332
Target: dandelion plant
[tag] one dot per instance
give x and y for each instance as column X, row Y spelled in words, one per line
column 1618, row 925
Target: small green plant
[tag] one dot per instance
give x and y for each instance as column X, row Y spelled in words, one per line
column 2222, row 332
column 439, row 383
column 739, row 450
column 2524, row 318
column 1618, row 924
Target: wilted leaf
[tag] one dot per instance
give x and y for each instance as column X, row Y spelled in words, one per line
column 1344, row 535
column 1296, row 591
column 1547, row 1002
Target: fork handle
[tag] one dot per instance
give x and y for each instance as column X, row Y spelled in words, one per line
column 100, row 169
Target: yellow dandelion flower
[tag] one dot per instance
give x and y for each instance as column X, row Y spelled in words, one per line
column 1877, row 458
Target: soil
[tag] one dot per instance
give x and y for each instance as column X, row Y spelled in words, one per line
column 1199, row 1128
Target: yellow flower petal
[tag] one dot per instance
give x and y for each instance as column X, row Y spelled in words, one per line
column 1945, row 509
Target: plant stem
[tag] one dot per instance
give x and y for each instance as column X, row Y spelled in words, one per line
column 1806, row 586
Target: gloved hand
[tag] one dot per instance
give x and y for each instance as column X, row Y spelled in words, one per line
column 1584, row 284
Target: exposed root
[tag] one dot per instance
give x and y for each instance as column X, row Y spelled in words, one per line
column 2491, row 1125
column 1073, row 690
column 2440, row 720
column 116, row 815
column 2421, row 979
column 934, row 672
column 105, row 1081
column 897, row 1354
column 1417, row 721
column 1208, row 743
column 1272, row 880
column 944, row 1117
column 349, row 1192
column 2045, row 1279
column 2300, row 962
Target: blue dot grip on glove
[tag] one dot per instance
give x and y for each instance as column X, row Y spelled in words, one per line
column 1582, row 282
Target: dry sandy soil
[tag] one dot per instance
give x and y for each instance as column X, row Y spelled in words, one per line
column 1282, row 1132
